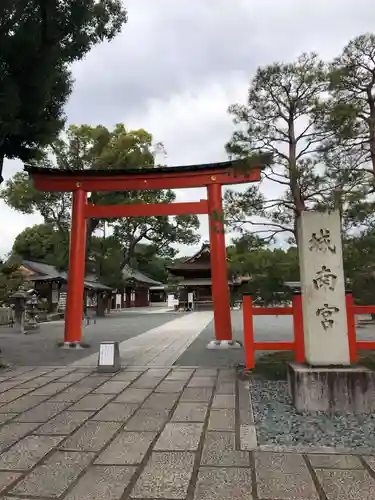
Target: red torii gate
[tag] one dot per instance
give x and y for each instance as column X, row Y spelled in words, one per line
column 213, row 176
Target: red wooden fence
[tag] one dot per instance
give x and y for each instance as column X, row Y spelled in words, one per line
column 297, row 345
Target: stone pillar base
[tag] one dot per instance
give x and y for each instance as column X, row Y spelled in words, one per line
column 72, row 345
column 331, row 389
column 224, row 344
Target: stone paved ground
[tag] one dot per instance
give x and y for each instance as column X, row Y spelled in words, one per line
column 74, row 434
column 40, row 347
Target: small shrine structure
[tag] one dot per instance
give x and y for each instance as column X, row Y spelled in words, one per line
column 194, row 277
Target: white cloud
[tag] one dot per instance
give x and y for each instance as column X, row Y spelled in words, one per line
column 179, row 64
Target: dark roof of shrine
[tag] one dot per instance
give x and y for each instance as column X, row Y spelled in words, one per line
column 45, row 273
column 260, row 161
column 132, row 275
column 199, row 261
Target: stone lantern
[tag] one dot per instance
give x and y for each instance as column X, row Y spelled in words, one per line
column 25, row 304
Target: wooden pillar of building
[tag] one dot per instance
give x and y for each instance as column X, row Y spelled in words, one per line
column 76, row 274
column 219, row 274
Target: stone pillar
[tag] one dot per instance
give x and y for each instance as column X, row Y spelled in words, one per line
column 323, row 289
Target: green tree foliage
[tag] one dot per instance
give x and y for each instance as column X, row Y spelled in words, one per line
column 104, row 261
column 151, row 263
column 87, row 147
column 359, row 266
column 280, row 118
column 349, row 117
column 10, row 279
column 267, row 268
column 351, row 107
column 39, row 40
column 43, row 243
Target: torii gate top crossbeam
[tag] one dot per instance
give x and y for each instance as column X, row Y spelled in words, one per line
column 191, row 176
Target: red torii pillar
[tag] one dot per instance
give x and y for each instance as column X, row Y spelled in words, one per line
column 76, row 272
column 219, row 271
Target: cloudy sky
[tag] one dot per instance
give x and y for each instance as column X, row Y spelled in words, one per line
column 178, row 64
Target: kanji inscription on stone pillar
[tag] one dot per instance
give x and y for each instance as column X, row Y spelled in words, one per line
column 323, row 289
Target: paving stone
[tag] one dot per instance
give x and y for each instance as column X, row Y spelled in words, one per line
column 102, row 483
column 245, row 417
column 226, row 388
column 157, row 372
column 179, row 375
column 7, row 478
column 147, row 419
column 197, row 394
column 12, row 432
column 227, row 375
column 146, row 382
column 206, row 372
column 219, row 450
column 42, row 412
column 116, row 412
column 133, row 396
column 170, row 386
column 92, row 436
column 21, row 404
column 179, row 437
column 190, row 412
column 224, row 401
column 8, row 384
column 112, row 387
column 5, row 417
column 166, row 475
column 248, row 437
column 161, row 401
column 52, row 478
column 346, row 484
column 91, row 382
column 126, row 376
column 73, row 377
column 12, row 395
column 25, row 377
column 224, row 484
column 65, row 423
column 127, row 448
column 71, row 394
column 202, row 382
column 333, row 461
column 62, row 371
column 37, row 382
column 222, row 420
column 27, row 452
column 371, row 462
column 51, row 389
column 92, row 402
column 244, row 402
column 283, row 476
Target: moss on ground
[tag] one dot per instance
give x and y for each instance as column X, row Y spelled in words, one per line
column 273, row 365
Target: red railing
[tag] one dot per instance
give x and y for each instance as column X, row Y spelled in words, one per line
column 354, row 344
column 297, row 345
column 251, row 346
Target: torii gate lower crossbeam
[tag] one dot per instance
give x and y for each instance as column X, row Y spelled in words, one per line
column 213, row 176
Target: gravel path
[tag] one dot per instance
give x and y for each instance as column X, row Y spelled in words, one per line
column 278, row 423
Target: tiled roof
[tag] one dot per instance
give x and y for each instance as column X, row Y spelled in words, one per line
column 48, row 272
column 134, row 275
